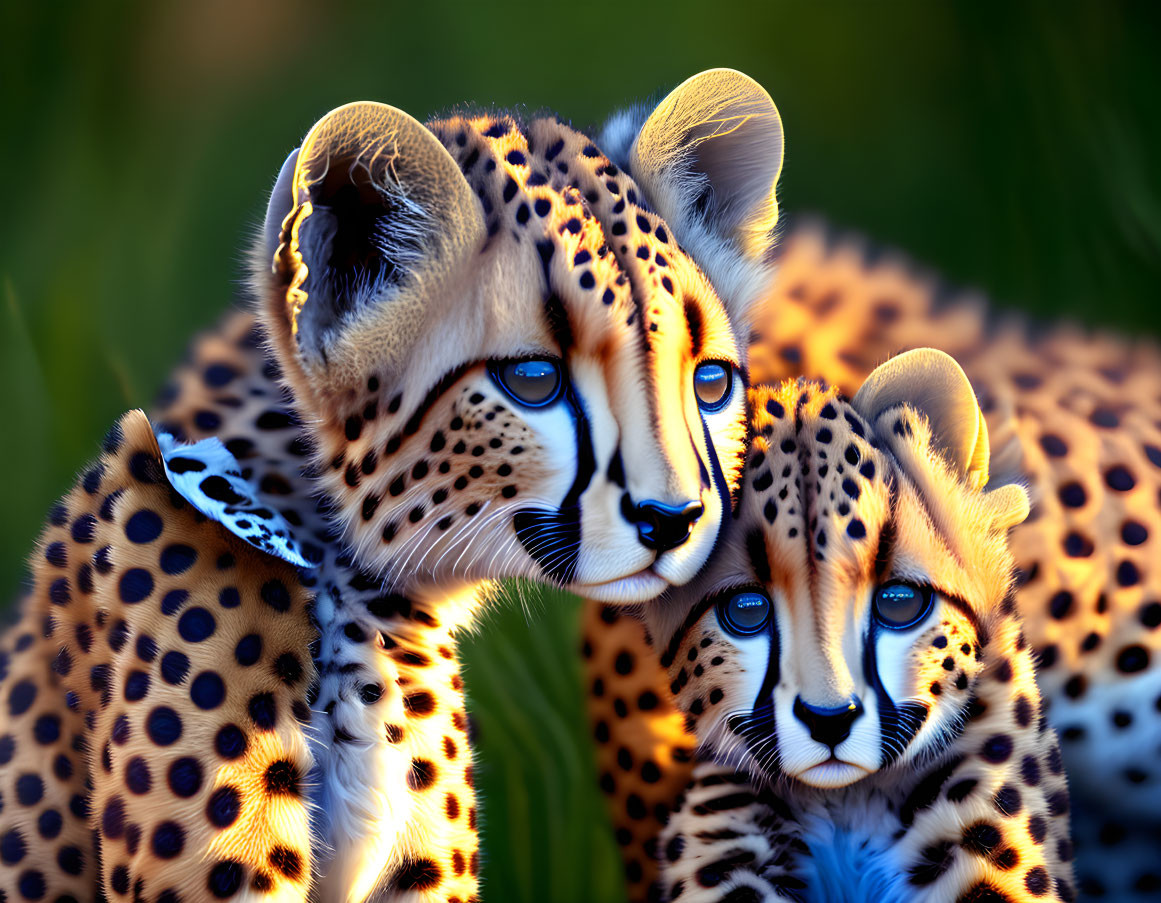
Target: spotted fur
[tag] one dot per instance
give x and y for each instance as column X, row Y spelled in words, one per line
column 319, row 715
column 944, row 783
column 1075, row 416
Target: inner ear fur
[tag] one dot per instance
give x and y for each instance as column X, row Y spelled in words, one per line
column 370, row 223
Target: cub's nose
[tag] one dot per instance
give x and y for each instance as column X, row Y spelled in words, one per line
column 829, row 726
column 663, row 527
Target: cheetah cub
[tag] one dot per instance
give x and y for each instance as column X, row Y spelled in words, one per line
column 852, row 665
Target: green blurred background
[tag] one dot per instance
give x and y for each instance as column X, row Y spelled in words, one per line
column 1015, row 148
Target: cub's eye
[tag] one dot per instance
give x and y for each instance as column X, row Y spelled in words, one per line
column 900, row 605
column 534, row 382
column 712, row 382
column 744, row 614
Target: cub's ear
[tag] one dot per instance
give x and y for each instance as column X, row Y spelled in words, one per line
column 932, row 383
column 709, row 158
column 370, row 224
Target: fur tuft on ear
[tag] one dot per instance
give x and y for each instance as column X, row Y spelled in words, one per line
column 932, row 383
column 709, row 157
column 1009, row 505
column 368, row 222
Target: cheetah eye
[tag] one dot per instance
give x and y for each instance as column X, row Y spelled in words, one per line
column 744, row 614
column 712, row 382
column 902, row 605
column 535, row 382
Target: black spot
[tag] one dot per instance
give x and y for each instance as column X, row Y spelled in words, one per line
column 225, row 879
column 281, row 778
column 29, row 789
column 136, row 584
column 196, row 624
column 263, row 711
column 1077, row 546
column 1128, row 574
column 146, row 468
column 1037, row 881
column 185, row 777
column 168, row 840
column 207, row 690
column 1132, row 659
column 275, row 594
column 230, row 742
column 220, row 490
column 997, row 748
column 1007, row 800
column 933, row 862
column 982, row 838
column 1133, row 533
column 143, row 527
column 218, row 375
column 422, row 774
column 287, row 861
column 1150, row 615
column 1053, row 446
column 177, row 559
column 1072, row 495
column 960, row 790
column 163, row 725
column 415, row 874
column 288, row 668
column 1119, row 479
column 1058, row 803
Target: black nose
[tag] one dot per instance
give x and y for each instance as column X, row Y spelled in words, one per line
column 664, row 527
column 828, row 726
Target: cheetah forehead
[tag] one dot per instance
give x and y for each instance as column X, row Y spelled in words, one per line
column 595, row 234
column 817, row 491
column 833, row 504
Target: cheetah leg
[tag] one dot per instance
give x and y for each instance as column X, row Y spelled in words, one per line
column 719, row 846
column 435, row 855
column 198, row 745
column 411, row 831
column 643, row 750
column 45, row 840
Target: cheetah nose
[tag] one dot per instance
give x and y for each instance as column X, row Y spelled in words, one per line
column 663, row 527
column 829, row 726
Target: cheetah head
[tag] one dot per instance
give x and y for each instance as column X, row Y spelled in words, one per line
column 508, row 360
column 838, row 632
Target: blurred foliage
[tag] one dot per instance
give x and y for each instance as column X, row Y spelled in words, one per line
column 1012, row 147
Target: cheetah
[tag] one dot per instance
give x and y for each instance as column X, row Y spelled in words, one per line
column 1072, row 414
column 482, row 348
column 854, row 668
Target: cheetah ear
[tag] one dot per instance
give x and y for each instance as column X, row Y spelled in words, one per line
column 1009, row 505
column 932, row 383
column 709, row 158
column 370, row 222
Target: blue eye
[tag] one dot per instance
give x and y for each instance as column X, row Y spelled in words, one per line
column 902, row 605
column 712, row 382
column 744, row 614
column 535, row 382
